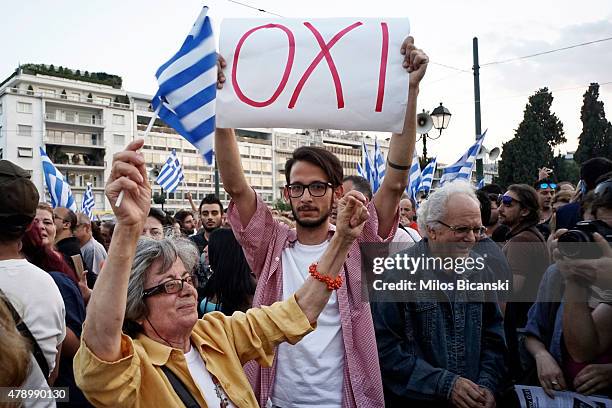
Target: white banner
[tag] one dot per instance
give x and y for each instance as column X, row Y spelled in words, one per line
column 343, row 73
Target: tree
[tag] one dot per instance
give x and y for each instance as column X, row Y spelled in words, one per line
column 566, row 170
column 595, row 139
column 281, row 205
column 533, row 142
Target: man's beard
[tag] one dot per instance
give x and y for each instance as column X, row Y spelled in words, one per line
column 188, row 232
column 310, row 223
column 210, row 229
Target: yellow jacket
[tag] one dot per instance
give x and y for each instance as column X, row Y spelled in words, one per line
column 225, row 344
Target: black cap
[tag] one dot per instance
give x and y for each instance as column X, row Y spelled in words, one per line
column 18, row 195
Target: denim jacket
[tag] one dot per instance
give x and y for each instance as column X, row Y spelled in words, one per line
column 425, row 346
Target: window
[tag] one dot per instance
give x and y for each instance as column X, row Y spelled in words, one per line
column 103, row 101
column 24, row 107
column 0, row 108
column 24, row 130
column 75, row 96
column 118, row 120
column 23, row 151
column 119, row 139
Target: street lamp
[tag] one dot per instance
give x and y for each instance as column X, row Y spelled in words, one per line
column 439, row 119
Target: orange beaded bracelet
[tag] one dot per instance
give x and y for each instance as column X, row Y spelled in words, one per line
column 332, row 284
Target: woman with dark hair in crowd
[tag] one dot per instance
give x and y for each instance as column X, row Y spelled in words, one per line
column 38, row 247
column 231, row 286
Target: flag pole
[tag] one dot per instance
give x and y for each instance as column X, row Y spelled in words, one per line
column 149, row 126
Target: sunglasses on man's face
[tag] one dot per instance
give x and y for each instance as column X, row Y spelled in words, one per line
column 507, row 200
column 544, row 186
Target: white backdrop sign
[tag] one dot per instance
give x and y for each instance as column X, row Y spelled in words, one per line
column 314, row 73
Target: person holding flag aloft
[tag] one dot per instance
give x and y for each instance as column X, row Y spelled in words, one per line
column 337, row 366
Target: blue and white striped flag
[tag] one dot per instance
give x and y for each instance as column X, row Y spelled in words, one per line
column 414, row 176
column 88, row 202
column 462, row 168
column 427, row 176
column 58, row 187
column 171, row 175
column 480, row 184
column 379, row 167
column 368, row 169
column 188, row 88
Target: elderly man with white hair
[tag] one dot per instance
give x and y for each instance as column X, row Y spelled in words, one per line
column 443, row 346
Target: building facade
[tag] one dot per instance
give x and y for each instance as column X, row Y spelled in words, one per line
column 82, row 121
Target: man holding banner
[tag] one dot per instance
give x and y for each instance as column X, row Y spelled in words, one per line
column 336, row 365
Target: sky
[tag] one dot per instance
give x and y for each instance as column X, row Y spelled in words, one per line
column 133, row 38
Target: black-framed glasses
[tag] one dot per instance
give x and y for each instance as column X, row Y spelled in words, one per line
column 543, row 186
column 171, row 286
column 464, row 230
column 507, row 200
column 316, row 189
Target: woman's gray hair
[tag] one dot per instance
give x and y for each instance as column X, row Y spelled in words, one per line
column 434, row 208
column 148, row 251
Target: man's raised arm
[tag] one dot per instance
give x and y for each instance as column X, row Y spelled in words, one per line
column 401, row 147
column 230, row 167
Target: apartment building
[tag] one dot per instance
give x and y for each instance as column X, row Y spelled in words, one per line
column 81, row 120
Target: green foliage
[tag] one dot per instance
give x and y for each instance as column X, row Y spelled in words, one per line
column 281, row 205
column 596, row 137
column 95, row 77
column 533, row 142
column 566, row 170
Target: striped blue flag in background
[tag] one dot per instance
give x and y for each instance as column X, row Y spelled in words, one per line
column 414, row 176
column 427, row 176
column 368, row 167
column 187, row 88
column 58, row 187
column 480, row 184
column 379, row 167
column 88, row 202
column 462, row 168
column 171, row 174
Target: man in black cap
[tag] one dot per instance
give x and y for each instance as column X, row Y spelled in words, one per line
column 27, row 288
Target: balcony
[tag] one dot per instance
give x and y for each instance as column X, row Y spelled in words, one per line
column 75, row 119
column 69, row 98
column 76, row 160
column 89, row 140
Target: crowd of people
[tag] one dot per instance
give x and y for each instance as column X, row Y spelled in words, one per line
column 244, row 306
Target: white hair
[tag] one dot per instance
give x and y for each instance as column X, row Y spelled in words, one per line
column 434, row 208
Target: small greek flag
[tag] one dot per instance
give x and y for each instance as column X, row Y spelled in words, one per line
column 88, row 202
column 188, row 88
column 368, row 171
column 379, row 167
column 480, row 184
column 427, row 176
column 171, row 174
column 414, row 176
column 462, row 168
column 58, row 187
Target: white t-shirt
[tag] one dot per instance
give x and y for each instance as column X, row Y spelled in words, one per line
column 38, row 301
column 311, row 372
column 203, row 379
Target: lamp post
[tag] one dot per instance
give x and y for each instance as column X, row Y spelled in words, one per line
column 440, row 117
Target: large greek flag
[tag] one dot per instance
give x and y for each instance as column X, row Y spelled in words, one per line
column 88, row 202
column 59, row 190
column 414, row 176
column 427, row 176
column 171, row 175
column 462, row 168
column 187, row 88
